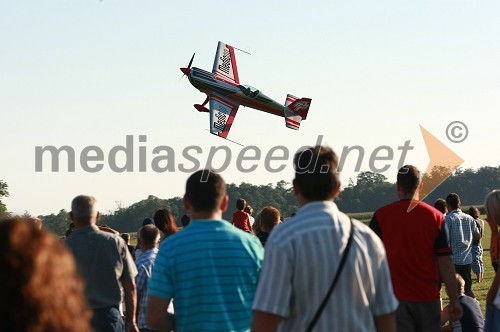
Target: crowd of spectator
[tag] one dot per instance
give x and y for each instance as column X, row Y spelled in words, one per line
column 320, row 270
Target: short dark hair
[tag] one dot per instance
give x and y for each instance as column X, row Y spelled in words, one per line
column 185, row 220
column 248, row 209
column 241, row 204
column 440, row 205
column 474, row 212
column 149, row 234
column 205, row 190
column 125, row 236
column 453, row 200
column 269, row 217
column 408, row 179
column 316, row 173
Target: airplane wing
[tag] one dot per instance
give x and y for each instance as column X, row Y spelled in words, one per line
column 225, row 64
column 222, row 113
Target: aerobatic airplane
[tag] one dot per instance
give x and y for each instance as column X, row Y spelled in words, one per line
column 225, row 94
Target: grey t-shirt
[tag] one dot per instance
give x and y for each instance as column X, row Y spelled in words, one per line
column 103, row 261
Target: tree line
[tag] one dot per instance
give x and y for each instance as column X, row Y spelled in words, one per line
column 366, row 194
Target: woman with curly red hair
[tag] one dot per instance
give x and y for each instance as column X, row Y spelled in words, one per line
column 39, row 286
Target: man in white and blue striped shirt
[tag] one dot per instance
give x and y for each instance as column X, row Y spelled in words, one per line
column 302, row 256
column 149, row 237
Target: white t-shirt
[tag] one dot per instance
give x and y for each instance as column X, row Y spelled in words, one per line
column 301, row 258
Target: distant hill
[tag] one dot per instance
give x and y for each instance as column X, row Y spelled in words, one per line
column 368, row 193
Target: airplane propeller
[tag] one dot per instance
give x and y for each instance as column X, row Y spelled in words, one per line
column 187, row 70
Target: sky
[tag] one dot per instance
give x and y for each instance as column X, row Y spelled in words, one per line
column 89, row 73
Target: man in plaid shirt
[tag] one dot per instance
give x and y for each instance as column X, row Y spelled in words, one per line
column 463, row 230
column 150, row 239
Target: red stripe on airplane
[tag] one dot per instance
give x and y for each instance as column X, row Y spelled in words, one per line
column 229, row 123
column 293, row 121
column 233, row 62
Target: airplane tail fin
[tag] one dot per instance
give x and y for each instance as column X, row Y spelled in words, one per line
column 296, row 110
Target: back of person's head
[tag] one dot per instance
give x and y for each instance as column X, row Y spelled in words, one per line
column 474, row 212
column 149, row 235
column 84, row 209
column 492, row 206
column 440, row 205
column 185, row 220
column 269, row 217
column 148, row 221
column 453, row 201
column 205, row 191
column 248, row 209
column 165, row 222
column 316, row 175
column 39, row 286
column 241, row 204
column 125, row 237
column 460, row 283
column 36, row 221
column 408, row 179
column 256, row 227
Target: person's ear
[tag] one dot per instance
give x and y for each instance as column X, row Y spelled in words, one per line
column 71, row 216
column 97, row 216
column 224, row 203
column 295, row 188
column 186, row 203
column 420, row 186
column 336, row 191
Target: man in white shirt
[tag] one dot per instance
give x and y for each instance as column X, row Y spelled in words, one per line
column 302, row 256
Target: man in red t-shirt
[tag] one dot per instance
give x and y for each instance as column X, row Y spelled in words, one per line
column 416, row 243
column 241, row 219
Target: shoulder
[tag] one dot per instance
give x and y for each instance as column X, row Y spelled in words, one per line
column 368, row 237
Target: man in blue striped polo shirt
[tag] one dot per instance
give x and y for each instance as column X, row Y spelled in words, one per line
column 209, row 269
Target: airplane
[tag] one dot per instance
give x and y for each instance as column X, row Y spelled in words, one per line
column 225, row 94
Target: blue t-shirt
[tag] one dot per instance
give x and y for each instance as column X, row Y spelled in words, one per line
column 210, row 269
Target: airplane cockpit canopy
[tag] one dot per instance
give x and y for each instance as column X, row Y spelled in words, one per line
column 249, row 91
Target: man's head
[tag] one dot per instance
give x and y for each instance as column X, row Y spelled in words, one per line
column 408, row 181
column 474, row 212
column 241, row 204
column 460, row 284
column 269, row 217
column 125, row 237
column 316, row 176
column 440, row 205
column 84, row 211
column 248, row 209
column 452, row 201
column 205, row 194
column 149, row 237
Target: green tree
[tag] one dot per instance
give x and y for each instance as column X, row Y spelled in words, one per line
column 4, row 192
column 56, row 223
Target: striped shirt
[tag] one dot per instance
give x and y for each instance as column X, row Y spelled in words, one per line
column 144, row 266
column 210, row 270
column 301, row 258
column 462, row 228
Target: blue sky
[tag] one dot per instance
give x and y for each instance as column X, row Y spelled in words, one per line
column 85, row 73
